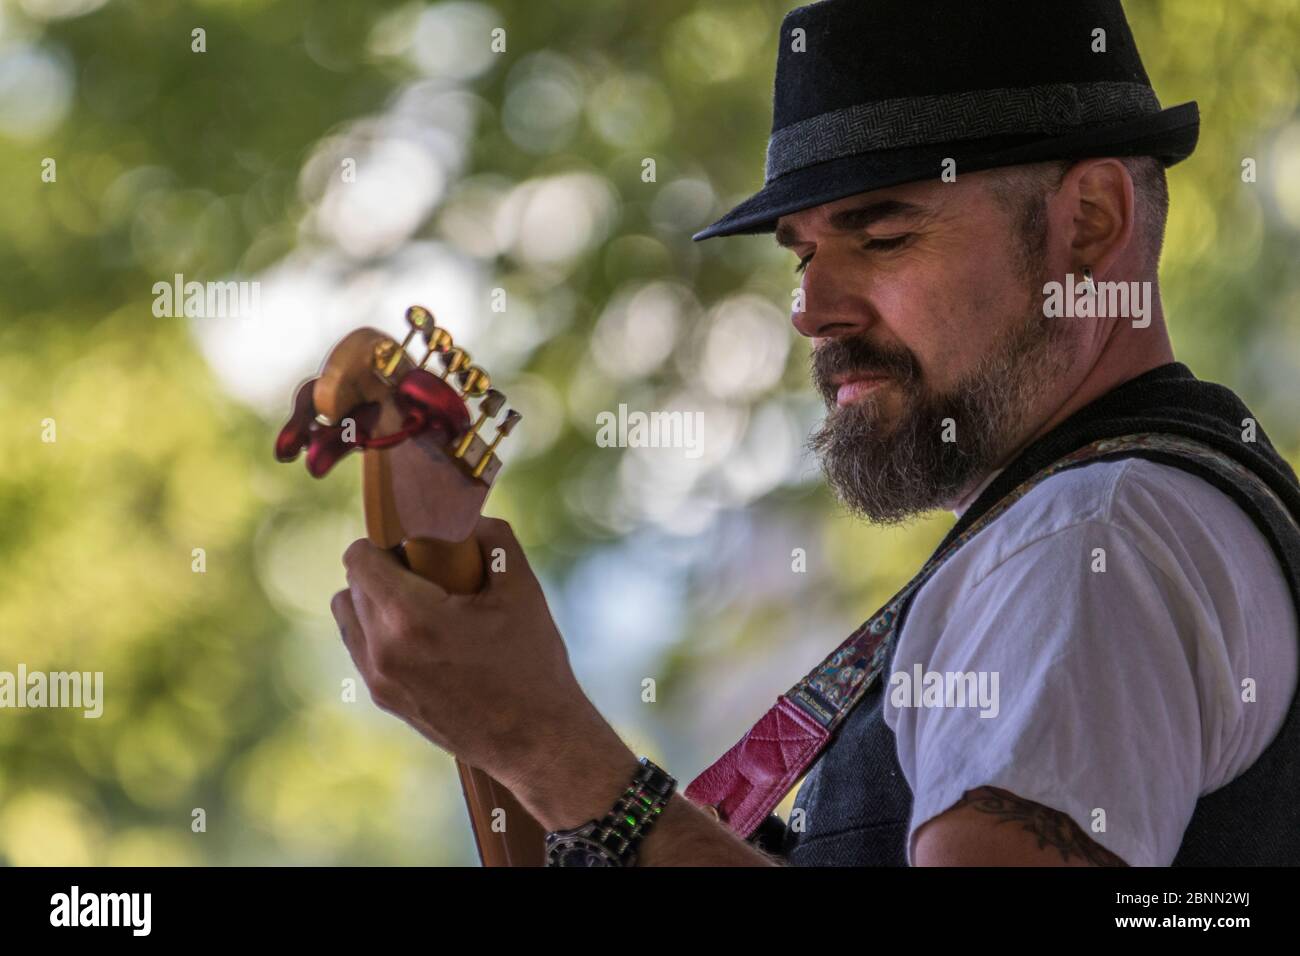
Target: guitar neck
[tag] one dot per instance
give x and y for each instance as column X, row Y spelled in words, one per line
column 504, row 832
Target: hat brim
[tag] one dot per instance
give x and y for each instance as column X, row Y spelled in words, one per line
column 1169, row 135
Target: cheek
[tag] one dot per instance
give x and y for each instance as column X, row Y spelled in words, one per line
column 940, row 313
column 984, row 306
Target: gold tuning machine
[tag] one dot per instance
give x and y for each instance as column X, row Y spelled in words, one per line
column 436, row 342
column 387, row 358
column 473, row 382
column 488, row 407
column 492, row 402
column 454, row 360
column 503, row 429
column 420, row 321
column 476, row 455
column 389, row 353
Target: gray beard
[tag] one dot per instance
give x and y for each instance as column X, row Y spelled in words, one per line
column 888, row 475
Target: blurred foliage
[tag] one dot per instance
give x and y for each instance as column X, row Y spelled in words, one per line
column 519, row 170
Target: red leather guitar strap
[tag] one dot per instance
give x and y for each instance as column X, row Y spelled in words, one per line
column 747, row 782
column 751, row 778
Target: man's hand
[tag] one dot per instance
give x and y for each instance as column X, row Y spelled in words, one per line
column 991, row 827
column 484, row 676
column 487, row 677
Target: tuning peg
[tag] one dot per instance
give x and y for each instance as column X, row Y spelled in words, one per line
column 487, row 408
column 453, row 361
column 473, row 381
column 503, row 429
column 436, row 341
column 507, row 426
column 420, row 320
column 387, row 357
column 491, row 403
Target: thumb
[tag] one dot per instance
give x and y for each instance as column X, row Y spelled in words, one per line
column 501, row 550
column 379, row 575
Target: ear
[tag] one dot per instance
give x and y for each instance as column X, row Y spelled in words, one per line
column 1101, row 213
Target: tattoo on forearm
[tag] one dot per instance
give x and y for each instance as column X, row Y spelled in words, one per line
column 1051, row 827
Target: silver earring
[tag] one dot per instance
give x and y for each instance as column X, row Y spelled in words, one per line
column 1088, row 285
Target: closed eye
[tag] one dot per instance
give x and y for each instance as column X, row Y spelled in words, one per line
column 876, row 245
column 893, row 242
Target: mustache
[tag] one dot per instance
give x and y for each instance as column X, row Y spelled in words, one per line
column 849, row 355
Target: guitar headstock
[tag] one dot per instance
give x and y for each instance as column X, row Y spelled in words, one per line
column 428, row 467
column 427, row 470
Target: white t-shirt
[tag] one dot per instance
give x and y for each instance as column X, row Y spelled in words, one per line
column 1117, row 690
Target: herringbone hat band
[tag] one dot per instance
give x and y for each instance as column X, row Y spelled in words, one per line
column 869, row 96
column 1052, row 109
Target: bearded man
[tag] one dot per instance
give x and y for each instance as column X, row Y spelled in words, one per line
column 1098, row 664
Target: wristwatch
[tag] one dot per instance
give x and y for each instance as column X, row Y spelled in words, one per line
column 613, row 841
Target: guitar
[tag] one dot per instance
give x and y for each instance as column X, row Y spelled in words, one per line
column 426, row 472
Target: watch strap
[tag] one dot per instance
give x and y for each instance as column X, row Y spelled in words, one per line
column 633, row 815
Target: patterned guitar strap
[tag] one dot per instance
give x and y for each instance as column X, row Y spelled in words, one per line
column 745, row 785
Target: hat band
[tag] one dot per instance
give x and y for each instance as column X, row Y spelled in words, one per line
column 1051, row 109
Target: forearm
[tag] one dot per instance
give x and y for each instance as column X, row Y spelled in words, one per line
column 686, row 836
column 581, row 781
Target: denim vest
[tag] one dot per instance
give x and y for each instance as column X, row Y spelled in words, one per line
column 856, row 801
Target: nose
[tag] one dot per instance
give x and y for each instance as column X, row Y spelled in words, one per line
column 828, row 305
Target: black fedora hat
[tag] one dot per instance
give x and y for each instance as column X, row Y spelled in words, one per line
column 876, row 93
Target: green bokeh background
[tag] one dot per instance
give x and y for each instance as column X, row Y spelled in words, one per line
column 522, row 171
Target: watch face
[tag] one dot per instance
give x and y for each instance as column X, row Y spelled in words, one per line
column 580, row 851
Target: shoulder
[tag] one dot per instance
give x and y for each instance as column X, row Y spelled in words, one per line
column 1117, row 608
column 1175, row 519
column 1130, row 561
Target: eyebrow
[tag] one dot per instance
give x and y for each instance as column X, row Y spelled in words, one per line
column 855, row 219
